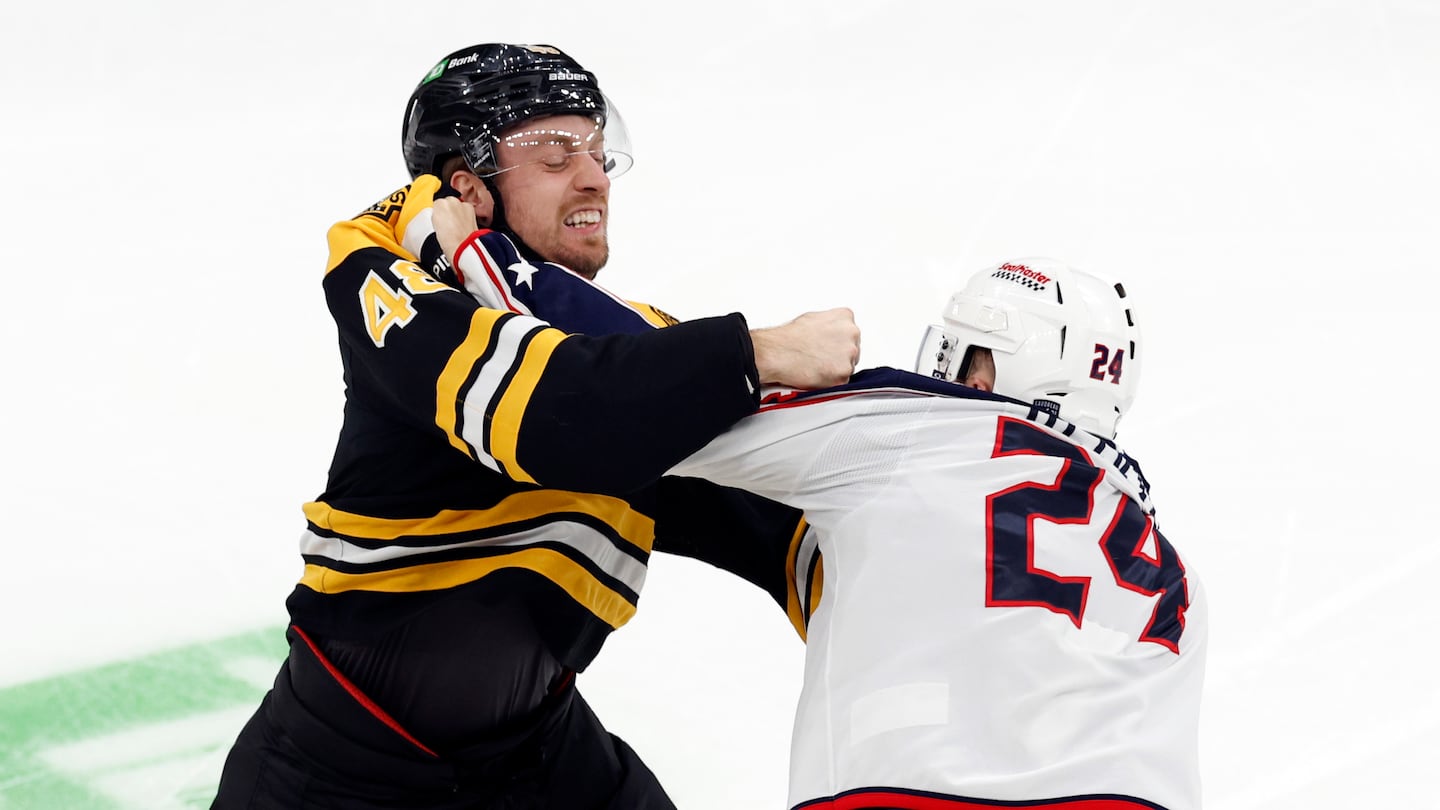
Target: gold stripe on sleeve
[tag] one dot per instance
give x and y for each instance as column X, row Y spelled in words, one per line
column 356, row 234
column 421, row 197
column 505, row 426
column 457, row 370
column 656, row 316
column 383, row 224
column 792, row 597
column 364, row 231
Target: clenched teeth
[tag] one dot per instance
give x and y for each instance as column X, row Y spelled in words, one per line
column 581, row 218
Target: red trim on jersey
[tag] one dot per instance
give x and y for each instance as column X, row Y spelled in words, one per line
column 1056, row 486
column 1147, row 535
column 487, row 262
column 361, row 697
column 790, row 399
column 562, row 681
column 891, row 799
column 455, row 260
column 777, row 401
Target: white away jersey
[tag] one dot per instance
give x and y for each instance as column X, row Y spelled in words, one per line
column 1001, row 619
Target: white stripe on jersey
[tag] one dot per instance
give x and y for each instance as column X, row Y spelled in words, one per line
column 590, row 543
column 420, row 228
column 484, row 393
column 485, row 279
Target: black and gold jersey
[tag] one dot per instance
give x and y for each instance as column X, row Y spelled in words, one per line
column 485, row 451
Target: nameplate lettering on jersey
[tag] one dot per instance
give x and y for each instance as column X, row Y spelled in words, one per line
column 884, row 380
column 388, row 208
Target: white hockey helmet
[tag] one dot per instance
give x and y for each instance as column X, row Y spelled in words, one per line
column 1062, row 339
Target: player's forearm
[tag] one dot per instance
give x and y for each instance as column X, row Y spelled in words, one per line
column 733, row 530
column 612, row 414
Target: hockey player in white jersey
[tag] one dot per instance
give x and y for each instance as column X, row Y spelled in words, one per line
column 1001, row 622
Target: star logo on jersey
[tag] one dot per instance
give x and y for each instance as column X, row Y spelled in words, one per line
column 523, row 272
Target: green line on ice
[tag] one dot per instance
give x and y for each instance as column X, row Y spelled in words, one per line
column 148, row 733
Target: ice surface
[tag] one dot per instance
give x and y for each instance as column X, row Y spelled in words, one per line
column 1261, row 173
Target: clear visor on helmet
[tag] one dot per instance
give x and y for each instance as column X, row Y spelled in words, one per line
column 552, row 142
column 940, row 355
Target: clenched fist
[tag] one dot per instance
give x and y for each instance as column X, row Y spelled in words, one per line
column 816, row 350
column 453, row 220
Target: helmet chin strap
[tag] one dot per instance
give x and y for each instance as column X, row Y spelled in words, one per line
column 497, row 214
column 498, row 223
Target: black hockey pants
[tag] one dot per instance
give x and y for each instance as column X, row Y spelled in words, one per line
column 315, row 742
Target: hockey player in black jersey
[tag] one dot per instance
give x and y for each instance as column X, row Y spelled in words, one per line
column 493, row 499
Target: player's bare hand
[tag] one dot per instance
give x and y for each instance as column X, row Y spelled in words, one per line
column 454, row 220
column 815, row 350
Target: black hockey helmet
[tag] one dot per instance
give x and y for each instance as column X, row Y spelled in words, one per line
column 474, row 94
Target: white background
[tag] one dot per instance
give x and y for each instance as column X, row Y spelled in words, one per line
column 1262, row 174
